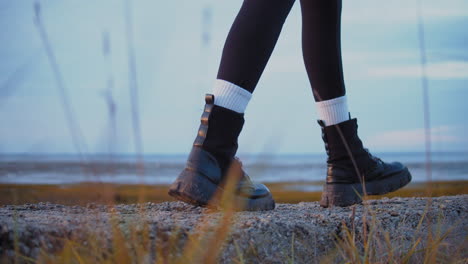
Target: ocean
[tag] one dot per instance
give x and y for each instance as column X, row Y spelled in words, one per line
column 163, row 169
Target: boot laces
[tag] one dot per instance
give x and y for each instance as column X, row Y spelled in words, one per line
column 376, row 159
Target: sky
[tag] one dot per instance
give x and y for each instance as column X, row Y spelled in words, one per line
column 175, row 68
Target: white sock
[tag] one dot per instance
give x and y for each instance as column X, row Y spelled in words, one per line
column 333, row 111
column 230, row 96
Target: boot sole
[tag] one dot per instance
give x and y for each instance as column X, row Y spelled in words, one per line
column 349, row 194
column 194, row 189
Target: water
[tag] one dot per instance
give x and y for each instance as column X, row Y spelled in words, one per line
column 163, row 169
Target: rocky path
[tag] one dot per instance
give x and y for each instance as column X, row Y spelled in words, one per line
column 304, row 232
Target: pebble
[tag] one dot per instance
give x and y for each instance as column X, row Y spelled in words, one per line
column 314, row 228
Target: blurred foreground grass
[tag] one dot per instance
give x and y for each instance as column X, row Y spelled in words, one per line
column 84, row 193
column 365, row 240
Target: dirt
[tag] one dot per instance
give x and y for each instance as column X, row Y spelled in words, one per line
column 304, row 232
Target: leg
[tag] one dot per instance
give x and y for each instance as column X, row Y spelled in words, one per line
column 352, row 171
column 251, row 41
column 321, row 46
column 246, row 52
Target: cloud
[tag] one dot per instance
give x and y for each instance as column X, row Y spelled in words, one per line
column 439, row 71
column 401, row 11
column 444, row 70
column 413, row 137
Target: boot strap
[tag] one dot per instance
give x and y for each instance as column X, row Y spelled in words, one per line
column 203, row 129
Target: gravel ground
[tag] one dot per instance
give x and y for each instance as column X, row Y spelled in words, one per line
column 303, row 232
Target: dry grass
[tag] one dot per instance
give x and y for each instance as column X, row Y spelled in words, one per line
column 363, row 242
column 82, row 194
column 367, row 243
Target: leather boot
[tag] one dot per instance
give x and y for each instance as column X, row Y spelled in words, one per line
column 352, row 171
column 213, row 153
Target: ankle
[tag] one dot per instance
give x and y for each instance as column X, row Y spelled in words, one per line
column 333, row 111
column 231, row 96
column 218, row 132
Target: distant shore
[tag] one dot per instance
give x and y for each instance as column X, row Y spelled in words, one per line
column 104, row 193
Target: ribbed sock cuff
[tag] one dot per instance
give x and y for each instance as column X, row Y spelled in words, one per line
column 230, row 96
column 333, row 111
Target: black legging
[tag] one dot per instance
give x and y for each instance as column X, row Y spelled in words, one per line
column 255, row 32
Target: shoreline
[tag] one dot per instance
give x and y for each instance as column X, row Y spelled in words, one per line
column 105, row 193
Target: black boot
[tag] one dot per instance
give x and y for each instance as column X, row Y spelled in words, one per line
column 213, row 153
column 352, row 171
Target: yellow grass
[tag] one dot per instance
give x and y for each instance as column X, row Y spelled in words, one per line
column 82, row 194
